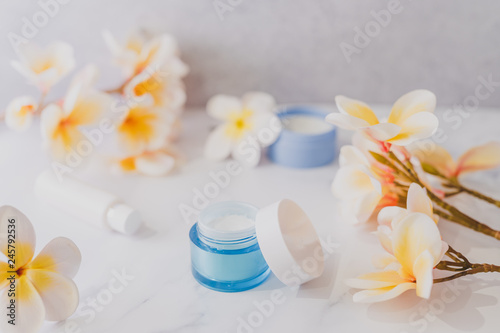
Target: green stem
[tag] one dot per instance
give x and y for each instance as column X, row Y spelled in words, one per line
column 480, row 195
column 475, row 268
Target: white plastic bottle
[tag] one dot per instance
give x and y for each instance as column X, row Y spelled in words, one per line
column 87, row 203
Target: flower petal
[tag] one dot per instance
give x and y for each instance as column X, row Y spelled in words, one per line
column 218, row 145
column 61, row 256
column 247, row 151
column 382, row 294
column 360, row 210
column 266, row 127
column 436, row 156
column 353, row 181
column 19, row 227
column 384, row 236
column 221, row 106
column 356, row 109
column 388, row 214
column 376, row 280
column 418, row 126
column 482, row 157
column 414, row 102
column 346, row 121
column 258, row 102
column 423, row 274
column 351, row 155
column 155, row 164
column 382, row 261
column 418, row 201
column 413, row 235
column 30, row 310
column 58, row 293
column 383, row 131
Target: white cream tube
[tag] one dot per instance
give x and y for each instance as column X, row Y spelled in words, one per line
column 87, row 203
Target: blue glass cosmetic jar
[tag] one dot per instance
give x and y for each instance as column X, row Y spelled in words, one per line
column 234, row 246
column 228, row 258
column 306, row 141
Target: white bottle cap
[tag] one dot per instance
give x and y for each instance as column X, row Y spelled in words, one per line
column 124, row 219
column 289, row 243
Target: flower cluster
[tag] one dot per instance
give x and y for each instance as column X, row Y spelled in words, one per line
column 383, row 175
column 148, row 104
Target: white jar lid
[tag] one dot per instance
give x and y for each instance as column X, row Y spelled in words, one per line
column 289, row 243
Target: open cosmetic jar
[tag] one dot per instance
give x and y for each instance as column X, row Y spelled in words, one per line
column 235, row 246
column 306, row 141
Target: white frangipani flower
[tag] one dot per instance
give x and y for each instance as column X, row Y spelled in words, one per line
column 248, row 125
column 19, row 113
column 44, row 67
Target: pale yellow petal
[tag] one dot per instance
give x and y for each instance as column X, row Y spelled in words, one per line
column 218, row 146
column 60, row 255
column 437, row 157
column 356, row 109
column 417, row 201
column 353, row 181
column 417, row 126
column 412, row 103
column 155, row 164
column 58, row 293
column 388, row 214
column 30, row 311
column 376, row 280
column 351, row 155
column 346, row 121
column 382, row 294
column 413, row 235
column 482, row 157
column 17, row 236
column 383, row 131
column 384, row 236
column 423, row 274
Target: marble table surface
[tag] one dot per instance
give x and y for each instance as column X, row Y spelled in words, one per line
column 144, row 284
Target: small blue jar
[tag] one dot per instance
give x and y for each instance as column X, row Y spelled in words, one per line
column 306, row 141
column 226, row 256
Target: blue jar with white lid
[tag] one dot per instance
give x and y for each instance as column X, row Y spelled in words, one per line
column 234, row 246
column 306, row 141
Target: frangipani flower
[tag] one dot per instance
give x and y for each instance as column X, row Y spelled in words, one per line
column 415, row 248
column 19, row 113
column 249, row 124
column 158, row 88
column 411, row 118
column 83, row 105
column 45, row 67
column 144, row 128
column 364, row 186
column 139, row 53
column 483, row 157
column 43, row 285
column 150, row 163
column 417, row 201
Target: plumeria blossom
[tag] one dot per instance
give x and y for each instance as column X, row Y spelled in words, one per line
column 483, row 157
column 248, row 125
column 157, row 87
column 363, row 185
column 19, row 113
column 415, row 248
column 83, row 105
column 44, row 67
column 417, row 201
column 44, row 286
column 139, row 53
column 411, row 118
column 150, row 163
column 144, row 128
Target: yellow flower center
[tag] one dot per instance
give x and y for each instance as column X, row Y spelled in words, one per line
column 154, row 86
column 138, row 125
column 239, row 124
